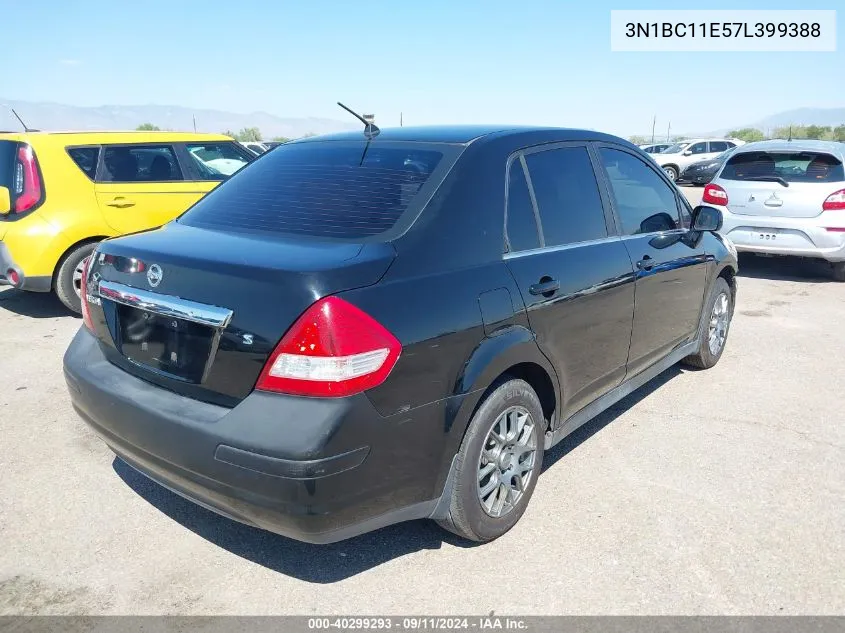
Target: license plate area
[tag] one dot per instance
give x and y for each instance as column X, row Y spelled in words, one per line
column 165, row 344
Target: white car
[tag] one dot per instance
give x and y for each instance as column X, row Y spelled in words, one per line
column 675, row 159
column 784, row 198
column 256, row 147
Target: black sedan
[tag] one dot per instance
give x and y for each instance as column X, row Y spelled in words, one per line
column 703, row 171
column 362, row 329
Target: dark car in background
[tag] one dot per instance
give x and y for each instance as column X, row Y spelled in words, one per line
column 353, row 332
column 703, row 171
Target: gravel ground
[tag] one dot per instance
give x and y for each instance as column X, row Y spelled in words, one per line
column 706, row 492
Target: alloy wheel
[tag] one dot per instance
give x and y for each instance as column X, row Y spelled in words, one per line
column 719, row 320
column 507, row 461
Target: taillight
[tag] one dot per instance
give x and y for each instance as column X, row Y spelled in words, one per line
column 27, row 181
column 714, row 194
column 334, row 349
column 83, row 294
column 835, row 201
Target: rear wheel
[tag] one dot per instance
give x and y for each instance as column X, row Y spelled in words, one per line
column 69, row 277
column 498, row 463
column 838, row 271
column 716, row 321
column 671, row 171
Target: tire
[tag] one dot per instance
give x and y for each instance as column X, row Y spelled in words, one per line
column 838, row 271
column 706, row 356
column 511, row 402
column 66, row 287
column 671, row 171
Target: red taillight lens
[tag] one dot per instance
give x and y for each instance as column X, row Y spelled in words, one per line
column 334, row 349
column 83, row 294
column 714, row 194
column 27, row 181
column 835, row 201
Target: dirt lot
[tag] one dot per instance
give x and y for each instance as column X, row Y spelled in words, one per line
column 705, row 492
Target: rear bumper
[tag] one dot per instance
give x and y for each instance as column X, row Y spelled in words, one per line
column 316, row 470
column 801, row 237
column 34, row 284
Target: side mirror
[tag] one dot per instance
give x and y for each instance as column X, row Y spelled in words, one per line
column 706, row 219
column 688, row 152
column 5, row 201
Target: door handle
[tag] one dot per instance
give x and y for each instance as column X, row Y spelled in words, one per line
column 121, row 203
column 546, row 287
column 646, row 263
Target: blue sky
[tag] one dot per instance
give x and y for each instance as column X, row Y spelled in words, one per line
column 437, row 61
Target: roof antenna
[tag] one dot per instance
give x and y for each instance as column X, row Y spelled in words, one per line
column 25, row 127
column 370, row 129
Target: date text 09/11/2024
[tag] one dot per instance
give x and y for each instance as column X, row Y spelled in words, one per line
column 722, row 29
column 419, row 623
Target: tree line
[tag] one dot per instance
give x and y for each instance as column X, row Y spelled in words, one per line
column 751, row 134
column 245, row 134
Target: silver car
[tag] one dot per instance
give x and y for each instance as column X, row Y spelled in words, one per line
column 784, row 198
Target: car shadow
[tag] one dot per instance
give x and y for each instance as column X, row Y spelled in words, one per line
column 38, row 305
column 582, row 434
column 784, row 268
column 323, row 564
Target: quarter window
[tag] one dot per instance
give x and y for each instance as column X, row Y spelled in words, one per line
column 645, row 203
column 567, row 195
column 140, row 163
column 521, row 225
column 86, row 159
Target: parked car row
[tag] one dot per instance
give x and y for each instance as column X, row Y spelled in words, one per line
column 62, row 193
column 362, row 329
column 676, row 158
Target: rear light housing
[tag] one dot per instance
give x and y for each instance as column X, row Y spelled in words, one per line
column 83, row 295
column 835, row 201
column 27, row 184
column 334, row 349
column 714, row 194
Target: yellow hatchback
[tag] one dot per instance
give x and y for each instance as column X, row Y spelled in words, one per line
column 63, row 192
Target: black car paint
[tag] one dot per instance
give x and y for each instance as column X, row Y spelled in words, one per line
column 702, row 171
column 444, row 286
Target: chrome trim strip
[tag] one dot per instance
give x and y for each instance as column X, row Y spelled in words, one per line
column 167, row 305
column 561, row 247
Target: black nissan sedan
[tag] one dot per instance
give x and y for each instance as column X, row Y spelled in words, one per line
column 361, row 329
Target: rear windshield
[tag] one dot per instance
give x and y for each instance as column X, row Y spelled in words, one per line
column 7, row 163
column 325, row 189
column 790, row 166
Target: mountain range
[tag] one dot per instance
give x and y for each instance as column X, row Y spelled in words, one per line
column 57, row 116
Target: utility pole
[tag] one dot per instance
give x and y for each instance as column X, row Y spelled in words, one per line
column 400, row 119
column 669, row 133
column 195, row 122
column 653, row 123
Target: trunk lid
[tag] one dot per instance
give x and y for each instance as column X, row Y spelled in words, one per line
column 799, row 200
column 199, row 311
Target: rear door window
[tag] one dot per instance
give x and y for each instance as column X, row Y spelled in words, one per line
column 810, row 167
column 522, row 232
column 567, row 195
column 718, row 146
column 86, row 159
column 345, row 190
column 140, row 163
column 217, row 161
